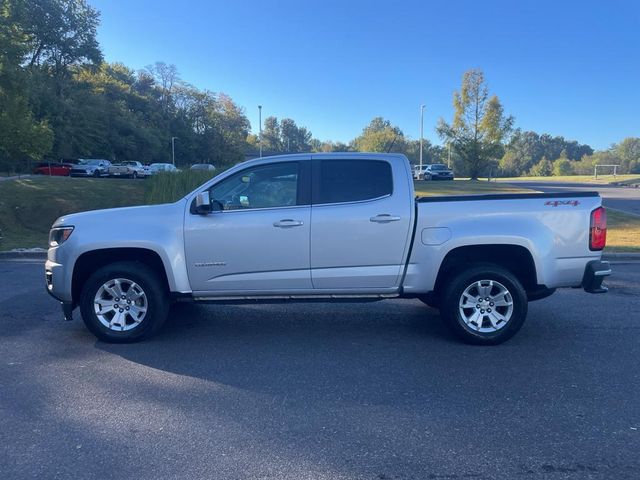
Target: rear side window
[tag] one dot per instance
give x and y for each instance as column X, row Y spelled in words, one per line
column 353, row 180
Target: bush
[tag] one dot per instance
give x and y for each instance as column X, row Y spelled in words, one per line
column 562, row 166
column 541, row 169
column 167, row 187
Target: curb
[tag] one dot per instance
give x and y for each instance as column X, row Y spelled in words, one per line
column 23, row 255
column 617, row 257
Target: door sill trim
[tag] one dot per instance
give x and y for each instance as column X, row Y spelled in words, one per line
column 363, row 296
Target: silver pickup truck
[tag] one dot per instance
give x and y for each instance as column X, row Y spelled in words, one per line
column 129, row 169
column 314, row 226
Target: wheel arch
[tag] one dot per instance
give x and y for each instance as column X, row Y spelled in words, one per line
column 515, row 258
column 90, row 261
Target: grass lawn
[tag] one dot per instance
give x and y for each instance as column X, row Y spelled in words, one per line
column 29, row 206
column 602, row 179
column 464, row 187
column 623, row 232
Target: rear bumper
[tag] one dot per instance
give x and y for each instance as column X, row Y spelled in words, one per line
column 594, row 273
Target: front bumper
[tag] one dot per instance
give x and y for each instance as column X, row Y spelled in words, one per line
column 594, row 273
column 67, row 307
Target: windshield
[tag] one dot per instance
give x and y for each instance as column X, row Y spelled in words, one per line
column 91, row 162
column 438, row 167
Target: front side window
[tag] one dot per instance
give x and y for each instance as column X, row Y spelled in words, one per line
column 353, row 180
column 263, row 186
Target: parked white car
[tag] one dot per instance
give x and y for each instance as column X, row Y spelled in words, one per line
column 203, row 166
column 418, row 171
column 161, row 167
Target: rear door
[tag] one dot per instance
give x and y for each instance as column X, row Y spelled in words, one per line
column 360, row 223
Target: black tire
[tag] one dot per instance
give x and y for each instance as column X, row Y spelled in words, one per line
column 427, row 178
column 157, row 302
column 453, row 317
column 134, row 175
column 96, row 173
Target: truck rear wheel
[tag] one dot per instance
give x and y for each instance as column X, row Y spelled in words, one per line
column 124, row 302
column 484, row 305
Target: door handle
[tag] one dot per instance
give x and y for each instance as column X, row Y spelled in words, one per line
column 287, row 223
column 385, row 218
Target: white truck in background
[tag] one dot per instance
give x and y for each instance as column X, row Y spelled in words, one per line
column 128, row 169
column 314, row 226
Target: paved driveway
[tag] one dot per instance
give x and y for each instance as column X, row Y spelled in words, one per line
column 621, row 198
column 321, row 391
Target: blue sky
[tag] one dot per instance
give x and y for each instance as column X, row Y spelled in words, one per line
column 568, row 68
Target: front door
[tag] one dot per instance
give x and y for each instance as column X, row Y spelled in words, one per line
column 259, row 242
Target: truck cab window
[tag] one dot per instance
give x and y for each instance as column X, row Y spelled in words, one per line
column 263, row 186
column 353, row 180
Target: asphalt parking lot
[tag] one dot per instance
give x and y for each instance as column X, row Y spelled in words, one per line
column 617, row 197
column 321, row 391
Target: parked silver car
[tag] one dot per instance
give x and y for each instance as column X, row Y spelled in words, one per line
column 91, row 167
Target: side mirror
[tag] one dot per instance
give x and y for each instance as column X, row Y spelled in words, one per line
column 203, row 203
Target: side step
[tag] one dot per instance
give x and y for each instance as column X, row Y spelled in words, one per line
column 299, row 298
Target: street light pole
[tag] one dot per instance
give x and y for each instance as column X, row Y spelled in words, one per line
column 260, row 122
column 421, row 130
column 173, row 150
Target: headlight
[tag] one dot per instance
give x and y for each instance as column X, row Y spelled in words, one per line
column 59, row 235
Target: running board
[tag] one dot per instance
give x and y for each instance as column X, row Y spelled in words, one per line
column 347, row 297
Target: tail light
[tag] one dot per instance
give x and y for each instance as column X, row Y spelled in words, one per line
column 598, row 229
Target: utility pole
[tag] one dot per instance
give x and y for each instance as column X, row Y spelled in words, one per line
column 449, row 161
column 260, row 122
column 173, row 150
column 421, row 130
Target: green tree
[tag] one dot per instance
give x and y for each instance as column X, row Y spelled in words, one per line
column 544, row 168
column 22, row 137
column 628, row 151
column 271, row 135
column 379, row 136
column 479, row 125
column 562, row 166
column 294, row 138
column 526, row 148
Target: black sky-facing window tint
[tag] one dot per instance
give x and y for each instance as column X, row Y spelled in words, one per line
column 354, row 180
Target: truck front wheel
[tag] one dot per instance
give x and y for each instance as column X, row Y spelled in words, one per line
column 124, row 302
column 484, row 305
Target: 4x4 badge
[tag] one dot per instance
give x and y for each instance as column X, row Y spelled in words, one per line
column 557, row 203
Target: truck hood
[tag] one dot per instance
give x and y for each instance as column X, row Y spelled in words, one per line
column 121, row 216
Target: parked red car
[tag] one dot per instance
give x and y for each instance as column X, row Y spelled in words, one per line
column 55, row 169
